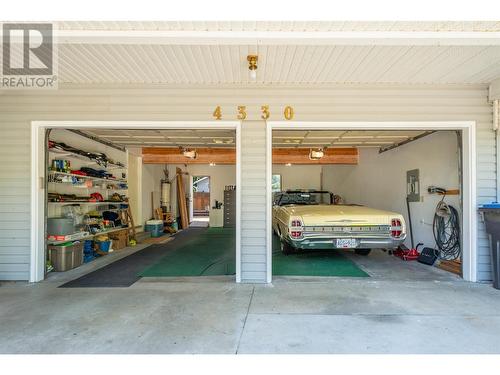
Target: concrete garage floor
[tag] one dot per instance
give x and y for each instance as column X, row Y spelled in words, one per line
column 402, row 308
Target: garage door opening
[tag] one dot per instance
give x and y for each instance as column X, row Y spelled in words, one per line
column 351, row 202
column 122, row 200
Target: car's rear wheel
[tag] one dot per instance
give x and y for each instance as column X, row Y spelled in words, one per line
column 362, row 251
column 286, row 248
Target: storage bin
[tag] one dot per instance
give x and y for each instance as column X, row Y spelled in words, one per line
column 60, row 226
column 66, row 256
column 120, row 239
column 155, row 227
column 491, row 213
column 88, row 247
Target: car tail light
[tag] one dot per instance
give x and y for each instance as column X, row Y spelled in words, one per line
column 396, row 228
column 296, row 228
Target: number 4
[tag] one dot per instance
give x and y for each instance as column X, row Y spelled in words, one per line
column 217, row 113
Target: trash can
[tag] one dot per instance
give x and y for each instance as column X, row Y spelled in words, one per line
column 491, row 214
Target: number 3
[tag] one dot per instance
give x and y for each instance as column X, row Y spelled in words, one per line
column 242, row 114
column 265, row 112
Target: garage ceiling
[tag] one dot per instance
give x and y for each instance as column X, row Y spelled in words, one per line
column 86, row 58
column 342, row 138
column 281, row 138
column 165, row 138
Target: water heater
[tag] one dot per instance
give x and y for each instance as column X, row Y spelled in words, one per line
column 165, row 195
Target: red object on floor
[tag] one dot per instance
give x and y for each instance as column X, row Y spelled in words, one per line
column 406, row 254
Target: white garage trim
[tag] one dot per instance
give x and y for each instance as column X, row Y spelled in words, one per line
column 468, row 128
column 194, row 37
column 38, row 128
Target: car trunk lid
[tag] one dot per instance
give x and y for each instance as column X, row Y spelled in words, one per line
column 341, row 215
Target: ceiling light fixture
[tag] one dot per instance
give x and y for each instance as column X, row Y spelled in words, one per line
column 252, row 66
column 190, row 154
column 316, row 154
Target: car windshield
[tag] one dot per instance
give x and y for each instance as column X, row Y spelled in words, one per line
column 302, row 198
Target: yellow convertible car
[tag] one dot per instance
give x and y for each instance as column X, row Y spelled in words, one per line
column 310, row 220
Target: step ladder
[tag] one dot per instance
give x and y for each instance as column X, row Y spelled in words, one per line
column 127, row 219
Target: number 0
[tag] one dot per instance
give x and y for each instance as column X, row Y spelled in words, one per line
column 288, row 113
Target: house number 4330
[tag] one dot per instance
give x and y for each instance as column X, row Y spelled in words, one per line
column 265, row 112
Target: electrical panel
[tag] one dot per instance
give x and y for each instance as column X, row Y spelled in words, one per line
column 413, row 185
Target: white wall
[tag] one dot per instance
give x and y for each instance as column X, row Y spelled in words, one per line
column 299, row 176
column 379, row 180
column 152, row 174
column 135, row 185
column 220, row 176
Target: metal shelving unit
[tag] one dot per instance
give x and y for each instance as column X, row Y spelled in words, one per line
column 84, row 158
column 88, row 177
column 85, row 237
column 87, row 203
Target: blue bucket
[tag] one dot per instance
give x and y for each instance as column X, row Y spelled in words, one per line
column 104, row 246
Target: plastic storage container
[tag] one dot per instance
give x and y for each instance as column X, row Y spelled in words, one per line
column 60, row 226
column 104, row 246
column 491, row 213
column 66, row 256
column 155, row 227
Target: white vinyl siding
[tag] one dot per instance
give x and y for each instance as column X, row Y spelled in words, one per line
column 253, row 201
column 313, row 103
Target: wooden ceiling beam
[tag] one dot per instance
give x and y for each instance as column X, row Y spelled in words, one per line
column 161, row 155
column 205, row 155
column 348, row 155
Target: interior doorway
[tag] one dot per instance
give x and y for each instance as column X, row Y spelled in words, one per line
column 200, row 201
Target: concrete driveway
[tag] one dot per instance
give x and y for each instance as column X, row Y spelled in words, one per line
column 409, row 308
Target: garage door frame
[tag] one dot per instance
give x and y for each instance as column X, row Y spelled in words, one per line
column 469, row 182
column 38, row 128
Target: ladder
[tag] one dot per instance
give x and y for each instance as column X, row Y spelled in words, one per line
column 126, row 217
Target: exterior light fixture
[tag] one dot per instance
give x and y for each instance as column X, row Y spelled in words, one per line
column 190, row 154
column 252, row 66
column 316, row 154
column 288, row 164
column 212, row 164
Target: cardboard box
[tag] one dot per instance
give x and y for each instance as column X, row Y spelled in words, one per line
column 120, row 239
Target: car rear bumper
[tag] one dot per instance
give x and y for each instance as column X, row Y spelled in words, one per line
column 331, row 243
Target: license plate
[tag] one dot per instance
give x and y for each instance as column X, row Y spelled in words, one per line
column 345, row 243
